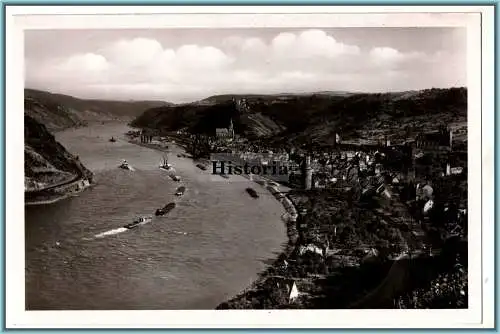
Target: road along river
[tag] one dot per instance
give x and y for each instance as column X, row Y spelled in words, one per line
column 207, row 249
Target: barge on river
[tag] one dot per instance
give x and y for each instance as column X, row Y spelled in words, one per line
column 166, row 209
column 201, row 166
column 252, row 192
column 176, row 178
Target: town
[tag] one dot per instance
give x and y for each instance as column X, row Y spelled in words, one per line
column 385, row 207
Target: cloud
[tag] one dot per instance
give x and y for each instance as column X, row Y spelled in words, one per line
column 385, row 54
column 309, row 44
column 316, row 43
column 87, row 62
column 189, row 56
column 143, row 68
column 133, row 53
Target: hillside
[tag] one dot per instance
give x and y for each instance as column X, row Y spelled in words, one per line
column 46, row 162
column 303, row 117
column 58, row 111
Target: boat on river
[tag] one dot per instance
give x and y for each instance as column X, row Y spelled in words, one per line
column 252, row 192
column 125, row 165
column 201, row 166
column 165, row 165
column 180, row 191
column 273, row 184
column 166, row 209
column 176, row 178
column 139, row 221
column 112, row 139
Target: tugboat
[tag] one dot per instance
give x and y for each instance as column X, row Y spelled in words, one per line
column 252, row 192
column 125, row 165
column 201, row 166
column 180, row 191
column 165, row 165
column 176, row 178
column 139, row 221
column 166, row 209
column 112, row 139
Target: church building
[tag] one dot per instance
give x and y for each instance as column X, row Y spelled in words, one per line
column 225, row 133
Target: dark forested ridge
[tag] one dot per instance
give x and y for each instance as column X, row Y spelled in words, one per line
column 314, row 116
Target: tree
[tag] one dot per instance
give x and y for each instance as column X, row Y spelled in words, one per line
column 200, row 146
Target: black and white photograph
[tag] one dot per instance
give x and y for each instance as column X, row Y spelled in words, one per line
column 235, row 164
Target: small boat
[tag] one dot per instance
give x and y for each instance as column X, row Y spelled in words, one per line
column 166, row 209
column 165, row 165
column 180, row 191
column 175, row 178
column 201, row 166
column 252, row 192
column 125, row 165
column 112, row 139
column 139, row 221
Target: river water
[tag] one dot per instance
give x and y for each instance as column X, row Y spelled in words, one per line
column 209, row 248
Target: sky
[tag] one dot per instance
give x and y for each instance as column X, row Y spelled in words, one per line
column 183, row 65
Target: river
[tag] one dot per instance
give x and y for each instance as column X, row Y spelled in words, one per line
column 209, row 248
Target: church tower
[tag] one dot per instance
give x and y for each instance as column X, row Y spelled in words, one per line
column 231, row 129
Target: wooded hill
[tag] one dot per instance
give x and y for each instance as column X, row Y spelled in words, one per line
column 298, row 118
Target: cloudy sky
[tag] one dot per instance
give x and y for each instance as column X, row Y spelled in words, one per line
column 181, row 65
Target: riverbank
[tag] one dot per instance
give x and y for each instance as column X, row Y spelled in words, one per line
column 51, row 172
column 357, row 253
column 58, row 193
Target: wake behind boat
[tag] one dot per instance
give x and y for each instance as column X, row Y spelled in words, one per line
column 166, row 209
column 140, row 221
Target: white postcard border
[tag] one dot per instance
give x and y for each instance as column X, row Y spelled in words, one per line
column 480, row 313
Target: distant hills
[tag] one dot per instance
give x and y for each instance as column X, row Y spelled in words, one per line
column 58, row 111
column 46, row 162
column 313, row 117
